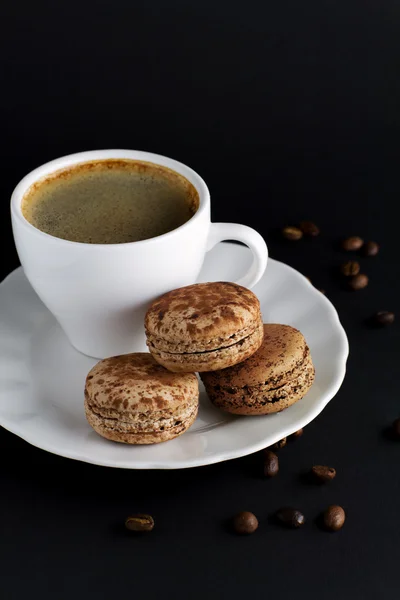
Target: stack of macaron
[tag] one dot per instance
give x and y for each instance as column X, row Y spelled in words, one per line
column 215, row 329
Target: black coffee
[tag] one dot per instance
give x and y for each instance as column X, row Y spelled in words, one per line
column 110, row 202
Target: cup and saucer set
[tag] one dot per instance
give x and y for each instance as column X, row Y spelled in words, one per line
column 72, row 303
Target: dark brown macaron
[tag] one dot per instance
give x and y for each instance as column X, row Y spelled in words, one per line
column 204, row 327
column 275, row 377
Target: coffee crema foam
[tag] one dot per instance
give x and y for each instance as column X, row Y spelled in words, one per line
column 110, row 201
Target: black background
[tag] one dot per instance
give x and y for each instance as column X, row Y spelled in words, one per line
column 289, row 110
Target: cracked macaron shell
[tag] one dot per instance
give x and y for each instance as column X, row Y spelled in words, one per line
column 220, row 358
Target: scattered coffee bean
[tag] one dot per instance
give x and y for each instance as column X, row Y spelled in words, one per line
column 271, row 464
column 292, row 233
column 309, row 228
column 245, row 522
column 350, row 268
column 281, row 444
column 297, row 434
column 370, row 249
column 358, row 282
column 139, row 523
column 383, row 317
column 396, row 429
column 322, row 473
column 334, row 517
column 352, row 243
column 291, row 517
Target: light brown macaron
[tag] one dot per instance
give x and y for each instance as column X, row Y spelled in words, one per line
column 134, row 400
column 204, row 327
column 275, row 377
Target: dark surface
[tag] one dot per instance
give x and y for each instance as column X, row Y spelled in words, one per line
column 290, row 111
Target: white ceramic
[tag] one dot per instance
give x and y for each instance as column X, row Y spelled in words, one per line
column 42, row 377
column 99, row 292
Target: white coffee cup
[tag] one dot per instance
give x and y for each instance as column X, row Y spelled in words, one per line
column 99, row 293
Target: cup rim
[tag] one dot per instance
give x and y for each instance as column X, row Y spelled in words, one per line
column 90, row 155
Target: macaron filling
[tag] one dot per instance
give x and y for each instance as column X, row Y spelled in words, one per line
column 201, row 347
column 150, row 422
column 248, row 395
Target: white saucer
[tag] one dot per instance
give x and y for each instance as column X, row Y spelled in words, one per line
column 42, row 377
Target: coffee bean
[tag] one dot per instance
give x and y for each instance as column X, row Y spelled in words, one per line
column 290, row 517
column 309, row 228
column 322, row 292
column 292, row 233
column 358, row 282
column 322, row 473
column 281, row 444
column 370, row 249
column 352, row 243
column 297, row 434
column 271, row 464
column 334, row 517
column 245, row 522
column 383, row 317
column 350, row 268
column 396, row 429
column 140, row 523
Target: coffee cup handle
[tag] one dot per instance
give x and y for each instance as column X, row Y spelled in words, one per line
column 248, row 236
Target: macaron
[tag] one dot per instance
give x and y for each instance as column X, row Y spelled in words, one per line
column 204, row 327
column 134, row 400
column 275, row 377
